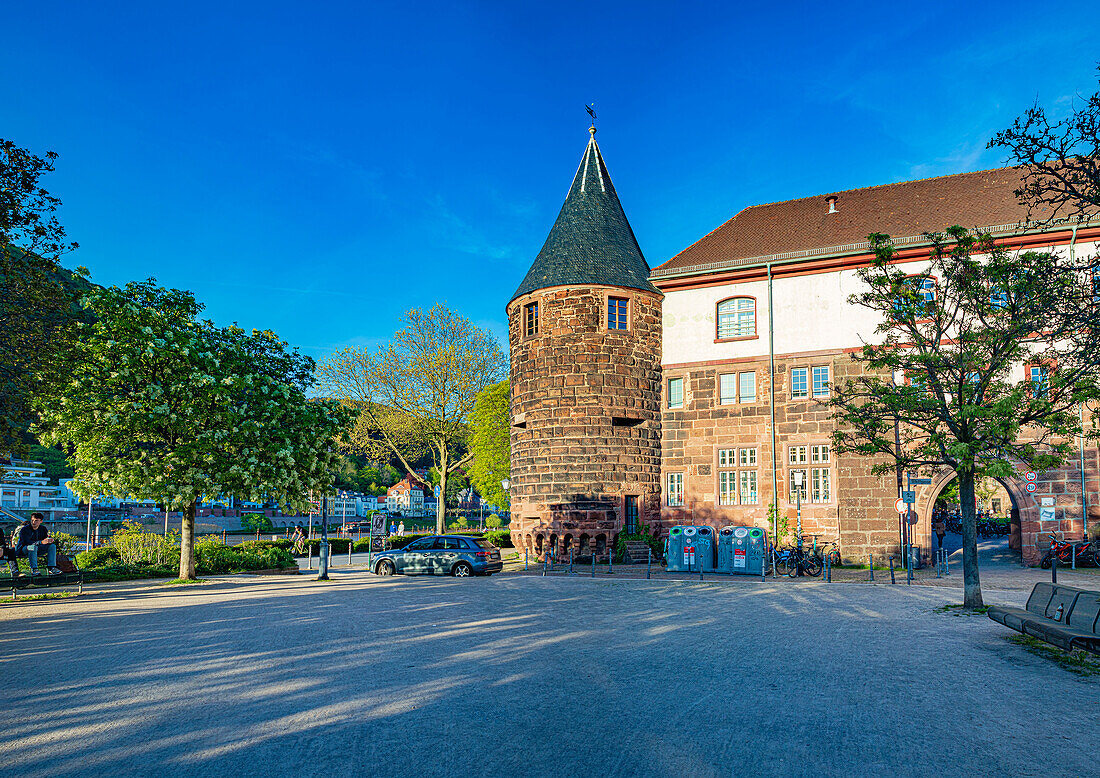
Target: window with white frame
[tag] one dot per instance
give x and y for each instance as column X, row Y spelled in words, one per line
column 737, row 318
column 727, row 487
column 748, row 488
column 725, row 457
column 676, row 393
column 727, row 388
column 796, row 455
column 819, row 482
column 801, row 477
column 746, row 387
column 1040, row 379
column 821, row 381
column 800, row 387
column 747, row 457
column 675, row 490
column 819, row 454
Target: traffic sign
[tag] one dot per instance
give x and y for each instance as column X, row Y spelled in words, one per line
column 920, row 481
column 900, row 506
column 1030, row 475
column 909, row 497
column 1030, row 486
column 913, row 518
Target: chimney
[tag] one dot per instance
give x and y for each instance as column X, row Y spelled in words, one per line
column 832, row 203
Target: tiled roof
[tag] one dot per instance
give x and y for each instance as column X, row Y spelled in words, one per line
column 981, row 199
column 591, row 242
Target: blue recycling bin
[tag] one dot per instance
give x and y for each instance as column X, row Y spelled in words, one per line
column 690, row 549
column 741, row 550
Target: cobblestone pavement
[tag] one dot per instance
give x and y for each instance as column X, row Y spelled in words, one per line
column 524, row 675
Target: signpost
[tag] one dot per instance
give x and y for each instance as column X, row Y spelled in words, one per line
column 1030, row 486
column 900, row 506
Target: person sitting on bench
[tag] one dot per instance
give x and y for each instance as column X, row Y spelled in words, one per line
column 33, row 537
column 8, row 554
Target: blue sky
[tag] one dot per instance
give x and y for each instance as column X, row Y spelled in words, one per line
column 318, row 169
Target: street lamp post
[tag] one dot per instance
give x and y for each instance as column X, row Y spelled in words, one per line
column 344, row 511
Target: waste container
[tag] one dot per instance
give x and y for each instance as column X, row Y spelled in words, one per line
column 691, row 549
column 741, row 551
column 914, row 554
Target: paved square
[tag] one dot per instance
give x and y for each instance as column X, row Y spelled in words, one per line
column 530, row 676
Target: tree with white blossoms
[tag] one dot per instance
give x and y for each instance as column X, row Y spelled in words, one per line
column 168, row 407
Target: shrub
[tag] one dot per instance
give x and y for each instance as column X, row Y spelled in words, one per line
column 65, row 542
column 400, row 541
column 501, row 538
column 98, row 557
column 212, row 556
column 335, row 545
column 281, row 543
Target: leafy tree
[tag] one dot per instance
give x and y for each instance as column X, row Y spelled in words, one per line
column 256, row 522
column 455, row 484
column 490, row 423
column 492, row 521
column 162, row 406
column 946, row 371
column 1060, row 159
column 416, row 393
column 37, row 310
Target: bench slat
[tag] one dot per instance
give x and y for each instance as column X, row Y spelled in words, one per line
column 1040, row 598
column 1085, row 612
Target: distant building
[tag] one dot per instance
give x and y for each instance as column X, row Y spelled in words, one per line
column 25, row 488
column 407, row 496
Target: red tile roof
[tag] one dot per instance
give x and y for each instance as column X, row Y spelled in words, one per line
column 981, row 199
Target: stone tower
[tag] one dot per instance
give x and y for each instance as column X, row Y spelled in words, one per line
column 584, row 329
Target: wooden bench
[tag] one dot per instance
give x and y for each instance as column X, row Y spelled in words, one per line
column 1060, row 615
column 70, row 575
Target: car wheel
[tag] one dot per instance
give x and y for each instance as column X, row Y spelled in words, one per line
column 385, row 568
column 461, row 570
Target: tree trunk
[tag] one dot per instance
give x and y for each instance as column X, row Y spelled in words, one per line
column 441, row 501
column 972, row 587
column 187, row 543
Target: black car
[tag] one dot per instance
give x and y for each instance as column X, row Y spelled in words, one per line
column 457, row 555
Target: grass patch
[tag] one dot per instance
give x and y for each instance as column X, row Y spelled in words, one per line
column 42, row 596
column 960, row 610
column 1079, row 662
column 183, row 582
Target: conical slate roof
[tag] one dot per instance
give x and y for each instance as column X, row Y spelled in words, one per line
column 591, row 242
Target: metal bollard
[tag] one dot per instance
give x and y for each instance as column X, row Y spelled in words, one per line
column 545, row 556
column 570, row 561
column 610, row 562
column 892, row 571
column 828, row 574
column 1073, row 554
column 593, row 563
column 525, row 559
column 939, row 562
column 309, row 557
column 1054, row 568
column 871, row 565
column 349, row 549
column 648, row 562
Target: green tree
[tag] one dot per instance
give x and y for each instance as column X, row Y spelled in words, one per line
column 417, row 392
column 944, row 373
column 455, row 484
column 37, row 309
column 490, row 423
column 256, row 522
column 166, row 407
column 492, row 521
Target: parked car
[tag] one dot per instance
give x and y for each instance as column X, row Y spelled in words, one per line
column 457, row 555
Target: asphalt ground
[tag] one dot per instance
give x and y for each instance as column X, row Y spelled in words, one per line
column 525, row 675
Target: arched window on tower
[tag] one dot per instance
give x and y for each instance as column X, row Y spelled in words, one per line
column 737, row 318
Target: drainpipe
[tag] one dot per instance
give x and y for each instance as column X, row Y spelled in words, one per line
column 1081, row 415
column 771, row 402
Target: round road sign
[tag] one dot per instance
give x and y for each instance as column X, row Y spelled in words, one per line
column 1030, row 475
column 1030, row 486
column 913, row 518
column 900, row 506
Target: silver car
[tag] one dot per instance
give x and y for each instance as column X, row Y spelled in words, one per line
column 457, row 555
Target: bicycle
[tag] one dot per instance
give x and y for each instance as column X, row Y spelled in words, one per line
column 804, row 560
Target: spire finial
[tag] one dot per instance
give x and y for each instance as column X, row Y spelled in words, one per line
column 592, row 112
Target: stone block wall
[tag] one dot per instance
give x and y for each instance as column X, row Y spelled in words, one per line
column 586, row 422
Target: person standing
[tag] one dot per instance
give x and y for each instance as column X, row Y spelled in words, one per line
column 401, row 528
column 939, row 526
column 32, row 537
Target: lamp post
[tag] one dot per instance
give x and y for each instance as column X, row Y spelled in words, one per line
column 344, row 510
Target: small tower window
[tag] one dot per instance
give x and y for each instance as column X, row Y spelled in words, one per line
column 616, row 313
column 531, row 319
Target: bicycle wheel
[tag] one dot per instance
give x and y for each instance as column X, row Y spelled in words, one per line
column 812, row 566
column 834, row 558
column 780, row 566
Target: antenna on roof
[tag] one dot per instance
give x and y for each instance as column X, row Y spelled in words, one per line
column 591, row 112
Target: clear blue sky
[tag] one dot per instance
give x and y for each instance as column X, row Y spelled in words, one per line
column 319, row 168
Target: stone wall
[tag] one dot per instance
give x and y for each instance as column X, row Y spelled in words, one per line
column 586, row 422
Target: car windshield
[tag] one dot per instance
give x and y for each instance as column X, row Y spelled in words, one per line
column 483, row 543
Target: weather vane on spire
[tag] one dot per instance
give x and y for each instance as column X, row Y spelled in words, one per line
column 591, row 112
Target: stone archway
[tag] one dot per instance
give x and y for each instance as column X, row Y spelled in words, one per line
column 1022, row 501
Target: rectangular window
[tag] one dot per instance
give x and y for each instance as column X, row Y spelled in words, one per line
column 748, row 457
column 725, row 457
column 727, row 487
column 746, row 387
column 727, row 388
column 795, row 489
column 821, row 381
column 676, row 393
column 531, row 319
column 820, row 484
column 748, row 487
column 737, row 318
column 616, row 313
column 819, row 454
column 1040, row 379
column 927, row 288
column 675, row 490
column 799, row 385
column 796, row 455
column 631, row 513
